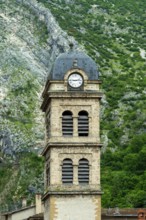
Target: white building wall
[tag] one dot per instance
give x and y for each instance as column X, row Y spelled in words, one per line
column 23, row 214
column 76, row 208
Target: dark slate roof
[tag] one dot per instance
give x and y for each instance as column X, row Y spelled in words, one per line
column 74, row 59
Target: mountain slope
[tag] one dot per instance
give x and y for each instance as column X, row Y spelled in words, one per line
column 29, row 45
column 113, row 34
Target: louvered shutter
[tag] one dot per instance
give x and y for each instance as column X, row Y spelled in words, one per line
column 47, row 175
column 83, row 171
column 83, row 123
column 67, row 123
column 48, row 127
column 67, row 171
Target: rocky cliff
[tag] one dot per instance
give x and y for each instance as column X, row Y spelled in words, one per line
column 30, row 41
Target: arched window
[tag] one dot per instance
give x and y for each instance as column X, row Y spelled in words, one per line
column 67, row 123
column 83, row 171
column 47, row 174
column 67, row 171
column 83, row 123
column 48, row 120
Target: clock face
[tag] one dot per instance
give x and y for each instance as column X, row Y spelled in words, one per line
column 75, row 80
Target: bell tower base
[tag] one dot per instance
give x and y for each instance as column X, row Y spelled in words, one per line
column 73, row 207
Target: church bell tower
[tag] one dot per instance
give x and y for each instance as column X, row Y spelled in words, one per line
column 71, row 102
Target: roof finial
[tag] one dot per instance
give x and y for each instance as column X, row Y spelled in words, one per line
column 71, row 45
column 75, row 63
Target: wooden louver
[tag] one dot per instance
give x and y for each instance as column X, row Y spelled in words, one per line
column 83, row 171
column 83, row 124
column 67, row 171
column 67, row 123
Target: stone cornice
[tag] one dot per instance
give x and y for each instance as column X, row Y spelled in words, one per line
column 75, row 94
column 49, row 82
column 70, row 95
column 73, row 144
column 74, row 193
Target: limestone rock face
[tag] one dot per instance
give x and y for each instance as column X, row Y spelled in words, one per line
column 30, row 41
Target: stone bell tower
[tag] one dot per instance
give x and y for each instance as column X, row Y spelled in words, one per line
column 71, row 102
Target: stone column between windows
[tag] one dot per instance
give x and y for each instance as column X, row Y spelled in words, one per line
column 75, row 174
column 75, row 126
column 90, row 132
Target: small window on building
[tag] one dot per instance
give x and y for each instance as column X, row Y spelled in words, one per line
column 48, row 118
column 67, row 123
column 83, row 123
column 47, row 175
column 83, row 171
column 67, row 171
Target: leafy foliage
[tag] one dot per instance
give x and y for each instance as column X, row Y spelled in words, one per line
column 123, row 175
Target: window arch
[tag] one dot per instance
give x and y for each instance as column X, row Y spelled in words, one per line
column 67, row 171
column 67, row 123
column 83, row 123
column 83, row 171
